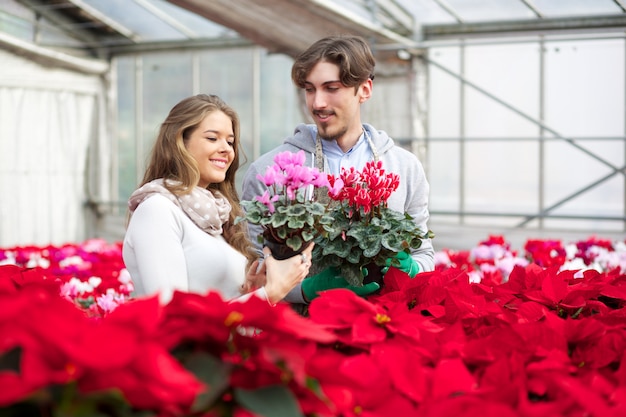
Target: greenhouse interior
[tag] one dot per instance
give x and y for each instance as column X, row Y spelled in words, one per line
column 516, row 110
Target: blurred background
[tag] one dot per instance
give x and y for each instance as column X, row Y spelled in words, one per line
column 517, row 108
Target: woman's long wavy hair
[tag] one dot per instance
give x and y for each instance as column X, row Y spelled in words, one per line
column 170, row 159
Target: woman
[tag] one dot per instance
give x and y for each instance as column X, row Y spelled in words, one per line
column 181, row 234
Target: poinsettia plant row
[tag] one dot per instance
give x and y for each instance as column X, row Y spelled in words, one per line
column 490, row 331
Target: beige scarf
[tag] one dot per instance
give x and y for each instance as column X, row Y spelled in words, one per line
column 209, row 210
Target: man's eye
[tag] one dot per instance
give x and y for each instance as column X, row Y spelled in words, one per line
column 309, row 90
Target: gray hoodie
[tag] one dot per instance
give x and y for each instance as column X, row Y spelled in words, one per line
column 410, row 197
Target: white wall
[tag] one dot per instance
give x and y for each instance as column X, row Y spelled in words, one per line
column 49, row 118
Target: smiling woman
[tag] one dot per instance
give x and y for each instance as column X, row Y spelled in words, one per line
column 212, row 146
column 181, row 234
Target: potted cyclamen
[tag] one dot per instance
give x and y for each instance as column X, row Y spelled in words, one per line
column 365, row 233
column 289, row 217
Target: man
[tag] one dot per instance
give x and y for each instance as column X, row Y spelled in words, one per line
column 336, row 74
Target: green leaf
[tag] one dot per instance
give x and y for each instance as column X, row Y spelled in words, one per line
column 392, row 242
column 307, row 235
column 294, row 242
column 279, row 219
column 317, row 209
column 10, row 360
column 295, row 210
column 295, row 223
column 211, row 371
column 354, row 257
column 271, row 401
column 254, row 217
column 338, row 248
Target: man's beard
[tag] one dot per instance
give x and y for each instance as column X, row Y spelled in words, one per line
column 328, row 136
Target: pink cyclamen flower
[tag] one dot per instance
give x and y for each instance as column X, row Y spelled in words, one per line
column 273, row 177
column 286, row 159
column 267, row 200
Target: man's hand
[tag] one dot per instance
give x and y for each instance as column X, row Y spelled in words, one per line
column 404, row 262
column 329, row 279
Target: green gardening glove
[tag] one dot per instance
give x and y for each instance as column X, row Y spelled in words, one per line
column 329, row 279
column 407, row 264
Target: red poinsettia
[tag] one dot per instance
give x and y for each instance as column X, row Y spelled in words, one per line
column 542, row 341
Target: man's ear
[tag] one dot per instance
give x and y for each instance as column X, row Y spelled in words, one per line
column 365, row 91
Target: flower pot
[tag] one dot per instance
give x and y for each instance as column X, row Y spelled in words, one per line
column 374, row 274
column 281, row 251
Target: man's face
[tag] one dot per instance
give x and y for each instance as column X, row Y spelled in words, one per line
column 334, row 107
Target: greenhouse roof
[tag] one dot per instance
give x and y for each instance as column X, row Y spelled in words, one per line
column 104, row 27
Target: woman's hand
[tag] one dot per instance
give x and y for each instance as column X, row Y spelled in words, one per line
column 255, row 278
column 283, row 276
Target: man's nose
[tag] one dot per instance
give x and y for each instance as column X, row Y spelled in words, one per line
column 319, row 100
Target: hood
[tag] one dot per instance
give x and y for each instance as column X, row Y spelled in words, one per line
column 304, row 138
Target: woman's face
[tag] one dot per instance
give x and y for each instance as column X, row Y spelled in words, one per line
column 212, row 145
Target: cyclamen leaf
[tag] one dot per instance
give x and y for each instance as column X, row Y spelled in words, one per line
column 279, row 219
column 294, row 242
column 295, row 223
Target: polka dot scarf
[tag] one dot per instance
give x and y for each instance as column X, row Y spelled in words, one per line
column 209, row 210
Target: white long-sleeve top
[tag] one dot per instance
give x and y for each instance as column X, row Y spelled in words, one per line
column 164, row 251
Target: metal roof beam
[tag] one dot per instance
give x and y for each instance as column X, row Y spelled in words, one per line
column 401, row 21
column 40, row 54
column 449, row 9
column 106, row 20
column 176, row 24
column 264, row 22
column 605, row 23
column 621, row 4
column 534, row 8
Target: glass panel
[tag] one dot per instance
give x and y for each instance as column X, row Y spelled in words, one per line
column 585, row 87
column 16, row 20
column 444, row 94
column 562, row 8
column 228, row 73
column 51, row 35
column 280, row 109
column 444, row 175
column 126, row 139
column 444, row 122
column 585, row 98
column 511, row 74
column 358, row 7
column 486, row 10
column 388, row 107
column 427, row 12
column 196, row 23
column 167, row 79
column 501, row 176
column 136, row 18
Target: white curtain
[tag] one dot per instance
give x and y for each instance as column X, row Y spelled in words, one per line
column 48, row 119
